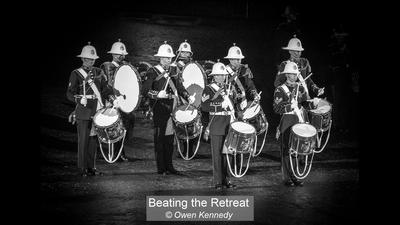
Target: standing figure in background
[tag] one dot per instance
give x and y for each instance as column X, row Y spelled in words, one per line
column 218, row 101
column 88, row 88
column 241, row 77
column 118, row 52
column 164, row 89
column 295, row 48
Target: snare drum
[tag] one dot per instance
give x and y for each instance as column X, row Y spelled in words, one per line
column 303, row 138
column 108, row 125
column 255, row 116
column 187, row 122
column 320, row 117
column 241, row 138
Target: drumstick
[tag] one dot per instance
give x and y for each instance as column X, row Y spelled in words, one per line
column 308, row 76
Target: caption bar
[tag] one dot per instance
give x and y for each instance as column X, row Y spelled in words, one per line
column 200, row 208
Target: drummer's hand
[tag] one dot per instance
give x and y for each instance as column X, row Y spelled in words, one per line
column 191, row 99
column 224, row 104
column 243, row 104
column 294, row 104
column 321, row 91
column 162, row 94
column 83, row 101
column 315, row 101
column 116, row 103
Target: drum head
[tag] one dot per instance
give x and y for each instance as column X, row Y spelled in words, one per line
column 243, row 127
column 304, row 130
column 322, row 107
column 183, row 116
column 127, row 83
column 194, row 80
column 105, row 117
column 251, row 112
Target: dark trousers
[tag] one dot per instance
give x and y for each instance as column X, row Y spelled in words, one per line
column 287, row 173
column 128, row 120
column 192, row 146
column 164, row 146
column 221, row 174
column 87, row 145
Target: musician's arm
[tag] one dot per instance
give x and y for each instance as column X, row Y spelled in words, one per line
column 73, row 88
column 281, row 102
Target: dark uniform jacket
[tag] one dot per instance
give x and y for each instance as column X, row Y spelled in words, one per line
column 75, row 87
column 162, row 107
column 212, row 102
column 244, row 82
column 305, row 70
column 282, row 105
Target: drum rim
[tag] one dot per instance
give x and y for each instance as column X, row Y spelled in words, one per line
column 308, row 124
column 139, row 79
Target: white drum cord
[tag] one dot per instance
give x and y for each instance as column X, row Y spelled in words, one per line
column 319, row 138
column 110, row 158
column 307, row 168
column 187, row 144
column 235, row 171
column 262, row 145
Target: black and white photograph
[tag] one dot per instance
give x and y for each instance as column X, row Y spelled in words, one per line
column 200, row 112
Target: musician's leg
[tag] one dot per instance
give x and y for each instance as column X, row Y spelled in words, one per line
column 216, row 151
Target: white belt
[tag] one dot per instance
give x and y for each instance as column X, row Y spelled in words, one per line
column 87, row 96
column 225, row 113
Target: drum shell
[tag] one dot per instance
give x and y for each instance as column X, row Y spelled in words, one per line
column 239, row 142
column 320, row 121
column 110, row 133
column 303, row 145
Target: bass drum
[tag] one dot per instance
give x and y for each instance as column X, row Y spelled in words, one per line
column 127, row 83
column 194, row 81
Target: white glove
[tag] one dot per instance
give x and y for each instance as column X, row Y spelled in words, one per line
column 191, row 99
column 294, row 104
column 83, row 101
column 117, row 101
column 321, row 91
column 224, row 104
column 162, row 94
column 243, row 104
column 315, row 101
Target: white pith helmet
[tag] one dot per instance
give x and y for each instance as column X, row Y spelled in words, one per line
column 219, row 69
column 291, row 67
column 185, row 47
column 234, row 53
column 88, row 51
column 165, row 50
column 294, row 44
column 118, row 48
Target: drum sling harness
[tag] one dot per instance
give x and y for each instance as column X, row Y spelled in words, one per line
column 93, row 86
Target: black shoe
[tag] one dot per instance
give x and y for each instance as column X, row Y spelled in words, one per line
column 218, row 187
column 173, row 171
column 162, row 172
column 298, row 183
column 288, row 183
column 94, row 172
column 230, row 185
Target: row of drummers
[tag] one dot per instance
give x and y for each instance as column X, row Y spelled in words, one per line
column 190, row 101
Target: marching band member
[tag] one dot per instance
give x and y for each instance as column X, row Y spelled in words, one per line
column 118, row 52
column 285, row 104
column 217, row 101
column 185, row 56
column 295, row 48
column 88, row 88
column 241, row 77
column 163, row 89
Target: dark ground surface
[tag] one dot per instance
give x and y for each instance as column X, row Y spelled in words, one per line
column 330, row 194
